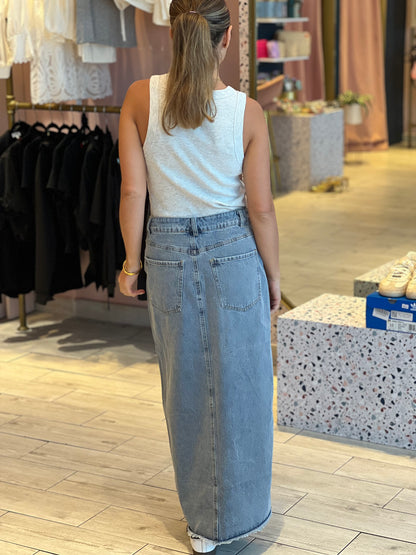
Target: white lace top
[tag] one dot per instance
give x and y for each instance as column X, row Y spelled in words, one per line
column 42, row 32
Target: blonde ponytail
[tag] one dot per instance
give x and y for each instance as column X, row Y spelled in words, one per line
column 197, row 28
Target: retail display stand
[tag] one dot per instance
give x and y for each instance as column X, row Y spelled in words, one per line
column 368, row 283
column 335, row 376
column 12, row 106
column 254, row 61
column 310, row 147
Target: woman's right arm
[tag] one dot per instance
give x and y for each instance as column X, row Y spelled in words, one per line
column 133, row 186
column 256, row 173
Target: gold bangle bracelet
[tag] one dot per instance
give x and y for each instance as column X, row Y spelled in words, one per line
column 131, row 273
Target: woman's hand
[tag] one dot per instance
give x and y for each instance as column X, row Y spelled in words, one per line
column 275, row 295
column 128, row 285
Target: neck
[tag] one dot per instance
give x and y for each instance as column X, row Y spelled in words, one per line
column 218, row 84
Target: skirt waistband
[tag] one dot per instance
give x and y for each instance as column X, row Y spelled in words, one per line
column 200, row 224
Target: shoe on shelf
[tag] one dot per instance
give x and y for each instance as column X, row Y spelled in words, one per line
column 411, row 287
column 200, row 545
column 396, row 281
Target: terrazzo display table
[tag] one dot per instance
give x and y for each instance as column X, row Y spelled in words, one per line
column 368, row 283
column 310, row 148
column 335, row 376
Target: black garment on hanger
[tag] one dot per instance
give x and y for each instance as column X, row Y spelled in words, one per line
column 59, row 192
column 16, row 216
column 64, row 199
column 88, row 177
column 55, row 270
column 113, row 246
column 96, row 224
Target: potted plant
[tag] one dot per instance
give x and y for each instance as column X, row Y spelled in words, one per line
column 353, row 104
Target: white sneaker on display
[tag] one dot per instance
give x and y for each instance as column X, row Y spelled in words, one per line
column 411, row 287
column 200, row 545
column 396, row 281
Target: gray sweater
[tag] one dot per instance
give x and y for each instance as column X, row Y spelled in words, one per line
column 101, row 22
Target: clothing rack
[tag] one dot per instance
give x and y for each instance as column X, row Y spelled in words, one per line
column 12, row 106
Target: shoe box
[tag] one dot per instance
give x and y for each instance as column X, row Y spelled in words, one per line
column 391, row 314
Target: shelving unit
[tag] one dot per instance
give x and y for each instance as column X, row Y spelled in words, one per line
column 281, row 60
column 254, row 23
column 281, row 20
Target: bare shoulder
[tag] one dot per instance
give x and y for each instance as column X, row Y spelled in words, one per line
column 253, row 108
column 137, row 93
column 139, row 86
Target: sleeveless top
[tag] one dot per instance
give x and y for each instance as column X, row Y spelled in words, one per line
column 195, row 172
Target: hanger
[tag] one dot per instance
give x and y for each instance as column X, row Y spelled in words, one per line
column 39, row 126
column 52, row 127
column 69, row 128
column 85, row 128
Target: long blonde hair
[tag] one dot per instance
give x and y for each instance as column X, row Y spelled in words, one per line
column 197, row 29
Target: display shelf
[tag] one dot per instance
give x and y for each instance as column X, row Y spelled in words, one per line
column 281, row 60
column 255, row 24
column 337, row 377
column 281, row 20
column 368, row 283
column 310, row 147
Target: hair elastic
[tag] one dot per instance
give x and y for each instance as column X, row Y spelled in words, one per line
column 192, row 11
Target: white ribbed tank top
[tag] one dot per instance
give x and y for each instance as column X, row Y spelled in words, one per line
column 195, row 172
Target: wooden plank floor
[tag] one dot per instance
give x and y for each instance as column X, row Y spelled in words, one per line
column 328, row 239
column 85, row 463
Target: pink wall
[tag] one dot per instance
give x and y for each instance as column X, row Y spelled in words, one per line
column 152, row 55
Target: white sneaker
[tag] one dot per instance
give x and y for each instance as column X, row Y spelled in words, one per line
column 395, row 283
column 200, row 545
column 411, row 287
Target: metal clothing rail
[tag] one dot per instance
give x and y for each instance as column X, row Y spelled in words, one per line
column 12, row 106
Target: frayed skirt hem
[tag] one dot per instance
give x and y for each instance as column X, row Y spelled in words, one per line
column 240, row 537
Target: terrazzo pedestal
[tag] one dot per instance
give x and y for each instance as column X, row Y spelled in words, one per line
column 337, row 377
column 368, row 283
column 310, row 148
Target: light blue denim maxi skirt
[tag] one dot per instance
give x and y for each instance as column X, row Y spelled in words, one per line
column 210, row 317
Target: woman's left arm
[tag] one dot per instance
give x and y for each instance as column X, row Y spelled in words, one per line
column 133, row 189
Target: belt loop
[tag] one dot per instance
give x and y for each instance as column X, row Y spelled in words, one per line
column 240, row 223
column 194, row 227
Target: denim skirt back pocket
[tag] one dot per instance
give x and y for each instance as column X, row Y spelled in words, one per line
column 237, row 280
column 166, row 279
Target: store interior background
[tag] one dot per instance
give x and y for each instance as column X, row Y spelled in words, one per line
column 326, row 239
column 86, row 463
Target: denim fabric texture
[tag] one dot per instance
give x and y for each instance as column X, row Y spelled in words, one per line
column 210, row 317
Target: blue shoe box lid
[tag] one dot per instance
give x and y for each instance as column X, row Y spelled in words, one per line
column 391, row 314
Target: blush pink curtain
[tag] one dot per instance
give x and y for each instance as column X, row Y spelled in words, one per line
column 361, row 69
column 310, row 72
